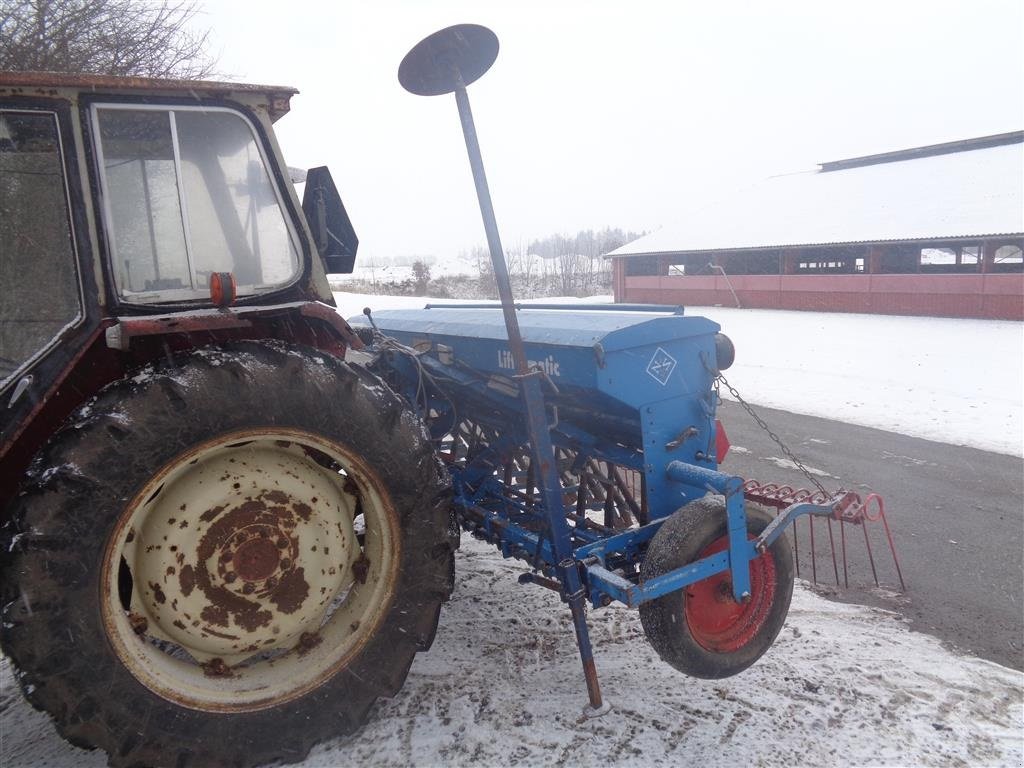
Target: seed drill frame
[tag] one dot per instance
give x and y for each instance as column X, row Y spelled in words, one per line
column 525, row 402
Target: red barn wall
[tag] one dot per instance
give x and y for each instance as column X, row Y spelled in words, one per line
column 994, row 296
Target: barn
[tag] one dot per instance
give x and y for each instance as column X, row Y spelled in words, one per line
column 932, row 230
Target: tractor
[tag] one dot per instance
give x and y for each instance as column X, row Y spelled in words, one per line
column 221, row 542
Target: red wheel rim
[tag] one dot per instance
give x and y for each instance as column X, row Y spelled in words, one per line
column 716, row 621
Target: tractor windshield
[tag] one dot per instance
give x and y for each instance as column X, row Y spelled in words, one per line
column 187, row 192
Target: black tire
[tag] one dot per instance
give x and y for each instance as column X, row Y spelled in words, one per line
column 700, row 630
column 57, row 620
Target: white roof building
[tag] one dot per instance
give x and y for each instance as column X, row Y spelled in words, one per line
column 969, row 189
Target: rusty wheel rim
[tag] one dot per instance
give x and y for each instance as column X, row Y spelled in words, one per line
column 716, row 621
column 249, row 570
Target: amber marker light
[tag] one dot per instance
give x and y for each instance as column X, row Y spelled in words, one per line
column 222, row 289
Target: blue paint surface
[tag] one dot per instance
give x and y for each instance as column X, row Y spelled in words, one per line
column 632, row 388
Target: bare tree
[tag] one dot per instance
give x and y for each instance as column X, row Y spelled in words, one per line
column 420, row 277
column 154, row 38
column 574, row 264
column 522, row 267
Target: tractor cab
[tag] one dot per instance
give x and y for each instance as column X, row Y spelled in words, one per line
column 125, row 198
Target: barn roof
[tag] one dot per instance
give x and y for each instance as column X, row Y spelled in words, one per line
column 964, row 189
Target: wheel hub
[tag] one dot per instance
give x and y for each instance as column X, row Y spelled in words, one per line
column 258, row 555
column 715, row 619
column 723, row 593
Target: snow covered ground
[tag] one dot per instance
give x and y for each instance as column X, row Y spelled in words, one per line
column 397, row 270
column 844, row 685
column 951, row 380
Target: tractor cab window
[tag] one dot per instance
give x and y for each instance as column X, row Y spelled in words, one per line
column 39, row 289
column 187, row 193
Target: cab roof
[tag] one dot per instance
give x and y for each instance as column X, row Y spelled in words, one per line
column 44, row 83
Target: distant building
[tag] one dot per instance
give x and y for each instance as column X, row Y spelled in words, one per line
column 935, row 230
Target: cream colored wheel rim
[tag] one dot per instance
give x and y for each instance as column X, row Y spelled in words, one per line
column 250, row 569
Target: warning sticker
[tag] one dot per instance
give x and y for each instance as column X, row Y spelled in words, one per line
column 661, row 366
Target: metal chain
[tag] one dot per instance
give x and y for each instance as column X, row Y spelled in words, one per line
column 778, row 441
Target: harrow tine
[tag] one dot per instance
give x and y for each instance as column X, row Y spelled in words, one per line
column 874, row 497
column 814, row 555
column 832, row 545
column 871, row 557
column 846, row 572
column 895, row 558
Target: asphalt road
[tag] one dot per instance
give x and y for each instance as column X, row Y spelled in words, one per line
column 956, row 514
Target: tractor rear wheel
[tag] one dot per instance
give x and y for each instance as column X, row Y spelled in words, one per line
column 224, row 561
column 701, row 630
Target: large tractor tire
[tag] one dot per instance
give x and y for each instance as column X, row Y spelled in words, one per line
column 701, row 630
column 227, row 560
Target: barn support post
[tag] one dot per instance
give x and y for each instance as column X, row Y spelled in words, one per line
column 988, row 256
column 790, row 261
column 874, row 260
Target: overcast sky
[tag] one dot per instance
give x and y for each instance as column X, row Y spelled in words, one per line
column 622, row 114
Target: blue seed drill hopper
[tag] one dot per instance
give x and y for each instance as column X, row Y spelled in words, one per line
column 640, row 512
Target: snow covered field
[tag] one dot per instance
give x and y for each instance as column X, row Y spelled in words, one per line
column 951, row 380
column 844, row 685
column 385, row 271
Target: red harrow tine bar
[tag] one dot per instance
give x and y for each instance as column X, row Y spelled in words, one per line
column 781, row 496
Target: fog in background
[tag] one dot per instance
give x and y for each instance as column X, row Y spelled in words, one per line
column 614, row 114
